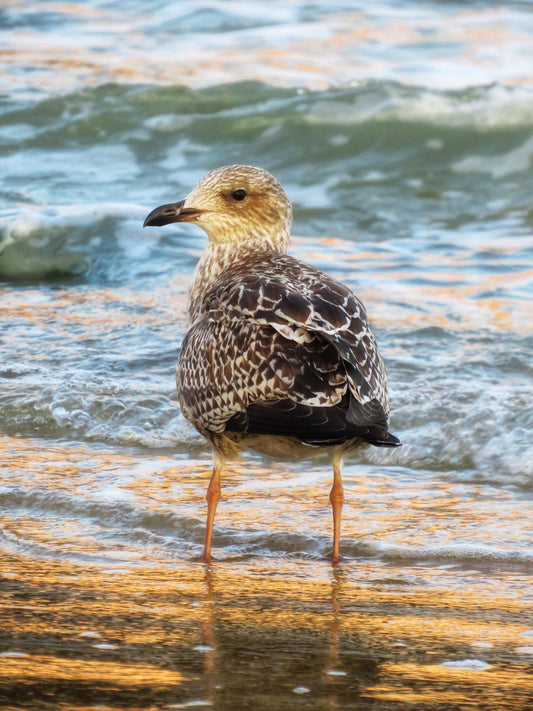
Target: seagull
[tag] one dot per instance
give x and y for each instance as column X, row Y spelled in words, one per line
column 279, row 356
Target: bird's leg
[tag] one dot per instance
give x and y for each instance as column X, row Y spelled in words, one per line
column 212, row 497
column 336, row 496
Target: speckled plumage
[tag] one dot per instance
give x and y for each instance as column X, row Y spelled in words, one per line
column 275, row 348
column 279, row 328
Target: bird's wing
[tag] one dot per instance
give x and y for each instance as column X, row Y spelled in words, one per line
column 228, row 364
column 324, row 318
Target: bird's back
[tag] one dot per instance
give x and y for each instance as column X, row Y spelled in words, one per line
column 280, row 348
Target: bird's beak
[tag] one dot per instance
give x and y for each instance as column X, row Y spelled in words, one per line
column 173, row 212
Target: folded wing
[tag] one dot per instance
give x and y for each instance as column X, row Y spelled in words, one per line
column 282, row 348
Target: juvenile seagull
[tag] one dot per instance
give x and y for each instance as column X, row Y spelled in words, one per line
column 279, row 357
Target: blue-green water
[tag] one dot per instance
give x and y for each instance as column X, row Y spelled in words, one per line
column 403, row 133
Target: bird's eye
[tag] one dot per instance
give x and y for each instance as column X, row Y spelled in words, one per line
column 238, row 195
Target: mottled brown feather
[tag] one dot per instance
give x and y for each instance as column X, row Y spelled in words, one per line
column 282, row 325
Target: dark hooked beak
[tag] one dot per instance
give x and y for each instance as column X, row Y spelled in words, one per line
column 173, row 212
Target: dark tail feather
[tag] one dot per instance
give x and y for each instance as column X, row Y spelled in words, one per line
column 318, row 426
column 379, row 437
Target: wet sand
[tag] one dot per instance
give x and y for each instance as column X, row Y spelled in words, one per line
column 274, row 634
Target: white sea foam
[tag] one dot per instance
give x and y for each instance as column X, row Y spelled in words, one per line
column 462, row 553
column 470, row 664
column 500, row 165
column 487, row 107
column 31, row 220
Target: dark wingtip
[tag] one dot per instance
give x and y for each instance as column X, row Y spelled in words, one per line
column 379, row 437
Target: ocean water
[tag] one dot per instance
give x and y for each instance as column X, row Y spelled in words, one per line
column 403, row 133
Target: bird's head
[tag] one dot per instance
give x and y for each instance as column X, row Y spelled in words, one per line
column 237, row 203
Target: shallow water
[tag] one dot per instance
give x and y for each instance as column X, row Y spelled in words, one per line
column 404, row 136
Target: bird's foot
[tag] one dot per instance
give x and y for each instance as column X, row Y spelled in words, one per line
column 205, row 558
column 335, row 559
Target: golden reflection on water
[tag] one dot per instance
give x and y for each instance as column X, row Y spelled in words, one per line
column 148, row 629
column 43, row 667
column 84, row 500
column 451, row 293
column 342, row 45
column 251, row 632
column 108, row 308
column 432, row 686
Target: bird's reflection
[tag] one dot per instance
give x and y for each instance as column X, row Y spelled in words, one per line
column 272, row 644
column 333, row 668
column 208, row 635
column 334, row 651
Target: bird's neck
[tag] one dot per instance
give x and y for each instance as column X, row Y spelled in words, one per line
column 220, row 256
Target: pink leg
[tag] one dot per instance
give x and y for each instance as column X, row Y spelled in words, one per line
column 212, row 497
column 336, row 497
